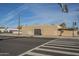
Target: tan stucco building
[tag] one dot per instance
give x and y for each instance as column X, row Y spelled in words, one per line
column 46, row 30
column 40, row 30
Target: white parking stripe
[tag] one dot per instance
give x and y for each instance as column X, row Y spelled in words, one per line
column 58, row 46
column 36, row 48
column 58, row 51
column 61, row 48
column 63, row 45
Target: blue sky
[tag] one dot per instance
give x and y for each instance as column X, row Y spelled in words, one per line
column 37, row 14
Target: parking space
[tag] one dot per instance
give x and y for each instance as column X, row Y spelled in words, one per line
column 12, row 46
column 35, row 46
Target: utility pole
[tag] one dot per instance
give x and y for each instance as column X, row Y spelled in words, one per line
column 19, row 25
column 74, row 26
column 73, row 30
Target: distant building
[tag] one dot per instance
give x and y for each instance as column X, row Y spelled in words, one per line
column 2, row 29
column 12, row 30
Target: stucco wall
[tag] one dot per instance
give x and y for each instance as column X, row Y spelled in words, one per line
column 68, row 33
column 46, row 30
column 27, row 30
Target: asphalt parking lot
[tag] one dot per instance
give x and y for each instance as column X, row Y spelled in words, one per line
column 35, row 46
column 13, row 46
